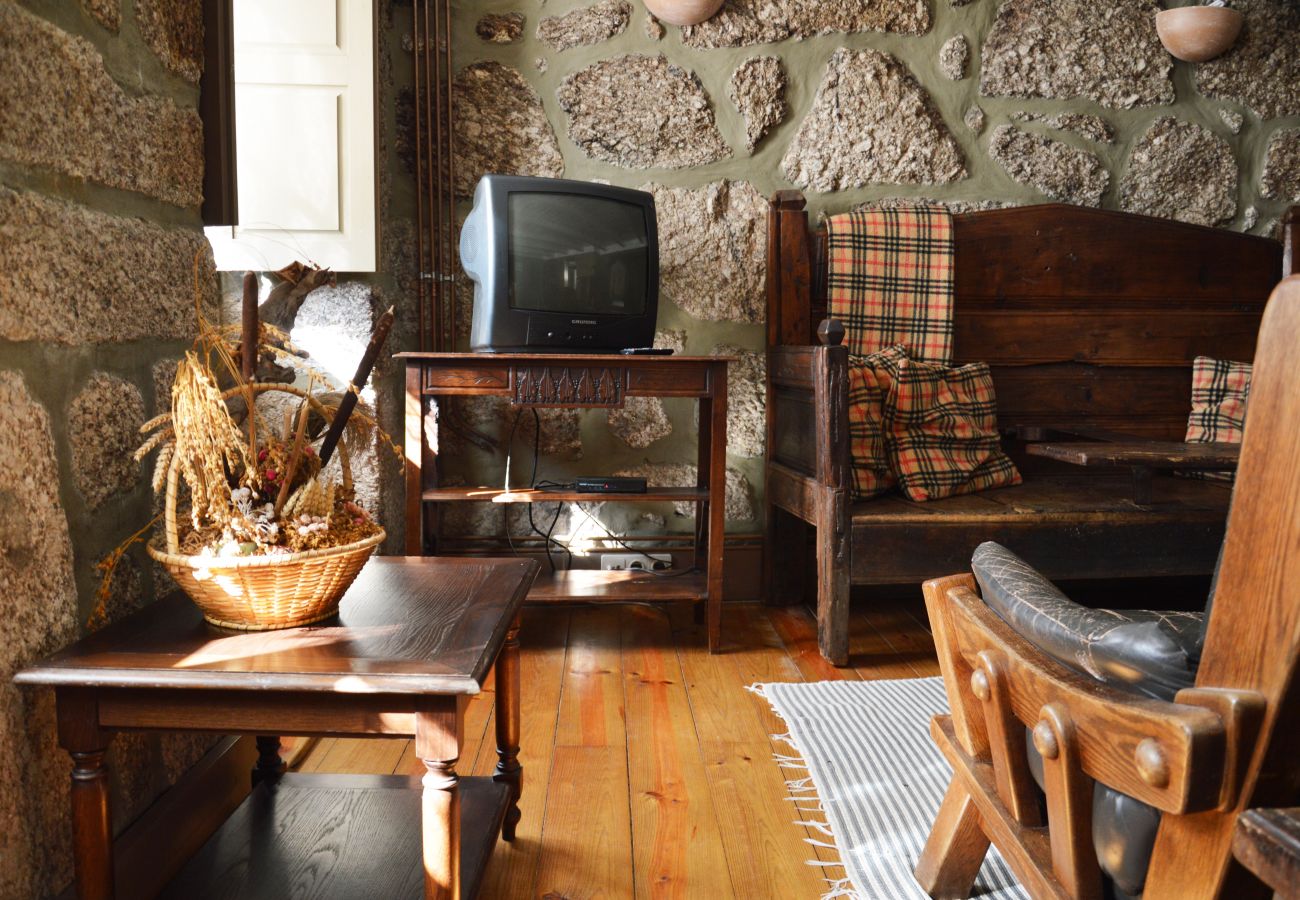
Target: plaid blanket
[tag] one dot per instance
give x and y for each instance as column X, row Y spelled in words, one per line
column 890, row 279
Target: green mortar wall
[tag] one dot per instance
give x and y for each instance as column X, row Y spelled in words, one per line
column 805, row 61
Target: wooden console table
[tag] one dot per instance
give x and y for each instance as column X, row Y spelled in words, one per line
column 579, row 381
column 413, row 640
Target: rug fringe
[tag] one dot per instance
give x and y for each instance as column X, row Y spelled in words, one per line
column 823, row 827
column 817, row 807
column 861, row 864
column 841, row 888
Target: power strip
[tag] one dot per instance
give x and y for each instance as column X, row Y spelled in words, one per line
column 632, row 562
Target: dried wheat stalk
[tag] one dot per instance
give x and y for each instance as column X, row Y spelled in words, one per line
column 208, row 444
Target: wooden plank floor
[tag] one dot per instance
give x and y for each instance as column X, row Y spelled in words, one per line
column 648, row 768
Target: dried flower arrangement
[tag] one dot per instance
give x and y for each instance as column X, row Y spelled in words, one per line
column 260, row 496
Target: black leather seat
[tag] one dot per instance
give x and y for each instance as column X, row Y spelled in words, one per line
column 1148, row 652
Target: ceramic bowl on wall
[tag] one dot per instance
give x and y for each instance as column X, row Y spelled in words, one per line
column 683, row 12
column 1198, row 33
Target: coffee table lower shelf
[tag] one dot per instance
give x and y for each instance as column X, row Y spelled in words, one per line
column 337, row 836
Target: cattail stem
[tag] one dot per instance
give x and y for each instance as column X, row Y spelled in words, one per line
column 295, row 457
column 249, row 340
column 248, row 331
column 349, row 401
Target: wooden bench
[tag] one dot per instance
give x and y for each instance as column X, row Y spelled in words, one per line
column 1090, row 321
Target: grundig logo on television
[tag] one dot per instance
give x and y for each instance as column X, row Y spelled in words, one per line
column 582, row 322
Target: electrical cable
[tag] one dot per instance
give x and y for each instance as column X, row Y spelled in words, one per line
column 509, row 452
column 622, row 543
column 537, row 446
column 547, row 535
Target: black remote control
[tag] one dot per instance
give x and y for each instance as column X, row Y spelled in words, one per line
column 647, row 351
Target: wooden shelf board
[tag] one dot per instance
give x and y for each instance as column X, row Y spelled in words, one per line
column 615, row 587
column 1154, row 454
column 341, row 836
column 526, row 495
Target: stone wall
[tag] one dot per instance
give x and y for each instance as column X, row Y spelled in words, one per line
column 968, row 102
column 100, row 181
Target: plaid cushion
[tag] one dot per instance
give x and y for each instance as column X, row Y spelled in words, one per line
column 1220, row 390
column 870, row 380
column 942, row 432
column 890, row 274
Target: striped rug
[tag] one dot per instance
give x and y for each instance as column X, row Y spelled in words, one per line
column 876, row 776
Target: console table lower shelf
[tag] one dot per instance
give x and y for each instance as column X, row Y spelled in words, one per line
column 596, row 586
column 337, row 836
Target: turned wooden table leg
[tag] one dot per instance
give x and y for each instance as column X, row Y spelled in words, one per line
column 92, row 826
column 437, row 743
column 269, row 766
column 509, row 771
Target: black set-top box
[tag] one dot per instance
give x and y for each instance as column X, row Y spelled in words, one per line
column 610, row 485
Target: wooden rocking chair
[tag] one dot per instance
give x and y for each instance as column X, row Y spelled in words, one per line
column 1137, row 722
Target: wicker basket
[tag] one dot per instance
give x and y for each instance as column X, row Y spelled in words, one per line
column 261, row 593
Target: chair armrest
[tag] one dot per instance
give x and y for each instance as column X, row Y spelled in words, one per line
column 1119, row 733
column 1151, row 652
column 807, row 412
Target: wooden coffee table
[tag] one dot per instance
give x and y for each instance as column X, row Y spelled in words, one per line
column 415, row 638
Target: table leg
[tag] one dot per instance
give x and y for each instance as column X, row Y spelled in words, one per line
column 437, row 743
column 509, row 770
column 701, row 535
column 717, row 462
column 414, row 446
column 92, row 825
column 269, row 766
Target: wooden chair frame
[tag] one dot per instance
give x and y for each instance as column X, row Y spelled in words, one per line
column 1224, row 745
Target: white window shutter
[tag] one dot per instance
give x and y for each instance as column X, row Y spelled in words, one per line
column 305, row 139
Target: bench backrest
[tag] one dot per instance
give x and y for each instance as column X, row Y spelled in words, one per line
column 1089, row 318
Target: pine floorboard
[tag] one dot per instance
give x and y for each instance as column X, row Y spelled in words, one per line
column 649, row 770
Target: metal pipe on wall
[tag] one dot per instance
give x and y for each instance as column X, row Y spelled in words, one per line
column 431, row 24
column 435, row 195
column 449, row 263
column 421, row 294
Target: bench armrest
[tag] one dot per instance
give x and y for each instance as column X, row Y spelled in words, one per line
column 807, row 412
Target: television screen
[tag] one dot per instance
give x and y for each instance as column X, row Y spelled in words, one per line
column 577, row 254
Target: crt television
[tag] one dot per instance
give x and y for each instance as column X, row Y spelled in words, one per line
column 561, row 266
